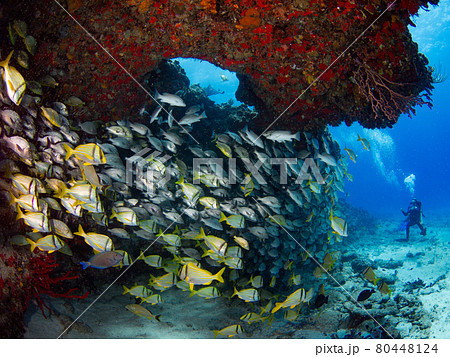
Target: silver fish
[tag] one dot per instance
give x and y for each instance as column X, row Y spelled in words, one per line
column 171, row 136
column 193, row 109
column 252, row 138
column 248, row 213
column 91, row 127
column 213, row 223
column 190, row 119
column 281, row 135
column 20, row 146
column 12, row 119
column 155, row 114
column 171, row 99
column 156, row 143
column 139, row 128
column 174, row 217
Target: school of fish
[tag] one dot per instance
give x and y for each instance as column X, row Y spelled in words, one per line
column 237, row 217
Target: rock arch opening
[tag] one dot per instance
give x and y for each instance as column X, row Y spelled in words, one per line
column 220, row 85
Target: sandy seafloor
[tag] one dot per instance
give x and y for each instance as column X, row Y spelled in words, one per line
column 419, row 311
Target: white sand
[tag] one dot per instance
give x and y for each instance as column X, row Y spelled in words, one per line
column 184, row 317
column 429, row 263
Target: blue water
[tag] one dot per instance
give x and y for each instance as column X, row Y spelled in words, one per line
column 416, row 146
column 205, row 74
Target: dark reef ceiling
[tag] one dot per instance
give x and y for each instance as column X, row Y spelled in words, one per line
column 280, row 50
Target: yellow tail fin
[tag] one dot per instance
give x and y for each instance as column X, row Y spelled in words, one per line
column 196, row 176
column 202, row 233
column 222, row 217
column 235, row 292
column 5, row 63
column 80, row 231
column 32, row 244
column 69, row 151
column 218, row 276
column 19, row 213
column 12, row 198
column 277, row 307
column 62, row 192
column 180, row 181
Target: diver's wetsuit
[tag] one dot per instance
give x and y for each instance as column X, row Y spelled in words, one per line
column 414, row 216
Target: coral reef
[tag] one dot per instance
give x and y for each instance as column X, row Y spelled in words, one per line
column 25, row 276
column 278, row 51
column 291, row 57
column 45, row 174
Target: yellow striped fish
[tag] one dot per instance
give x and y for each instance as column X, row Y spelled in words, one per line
column 172, row 239
column 163, row 282
column 365, row 143
column 291, row 315
column 235, row 221
column 29, row 202
column 36, row 220
column 338, row 224
column 210, row 292
column 60, row 228
column 191, row 192
column 99, row 242
column 142, row 312
column 248, row 185
column 229, row 331
column 25, row 184
column 52, row 116
column 125, row 215
column 351, row 154
column 291, row 301
column 216, row 244
column 88, row 153
column 137, row 290
column 209, row 202
column 248, row 295
column 152, row 299
column 226, row 150
column 80, row 191
column 153, row 260
column 14, row 82
column 308, row 296
column 49, row 243
column 194, row 275
column 242, row 242
column 72, row 205
column 252, row 317
column 234, row 262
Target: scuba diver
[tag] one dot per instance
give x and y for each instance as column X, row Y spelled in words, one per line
column 413, row 217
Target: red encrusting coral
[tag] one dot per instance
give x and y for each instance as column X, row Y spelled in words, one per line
column 25, row 276
column 282, row 47
column 42, row 281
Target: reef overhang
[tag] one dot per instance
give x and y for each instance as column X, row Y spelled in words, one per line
column 307, row 62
